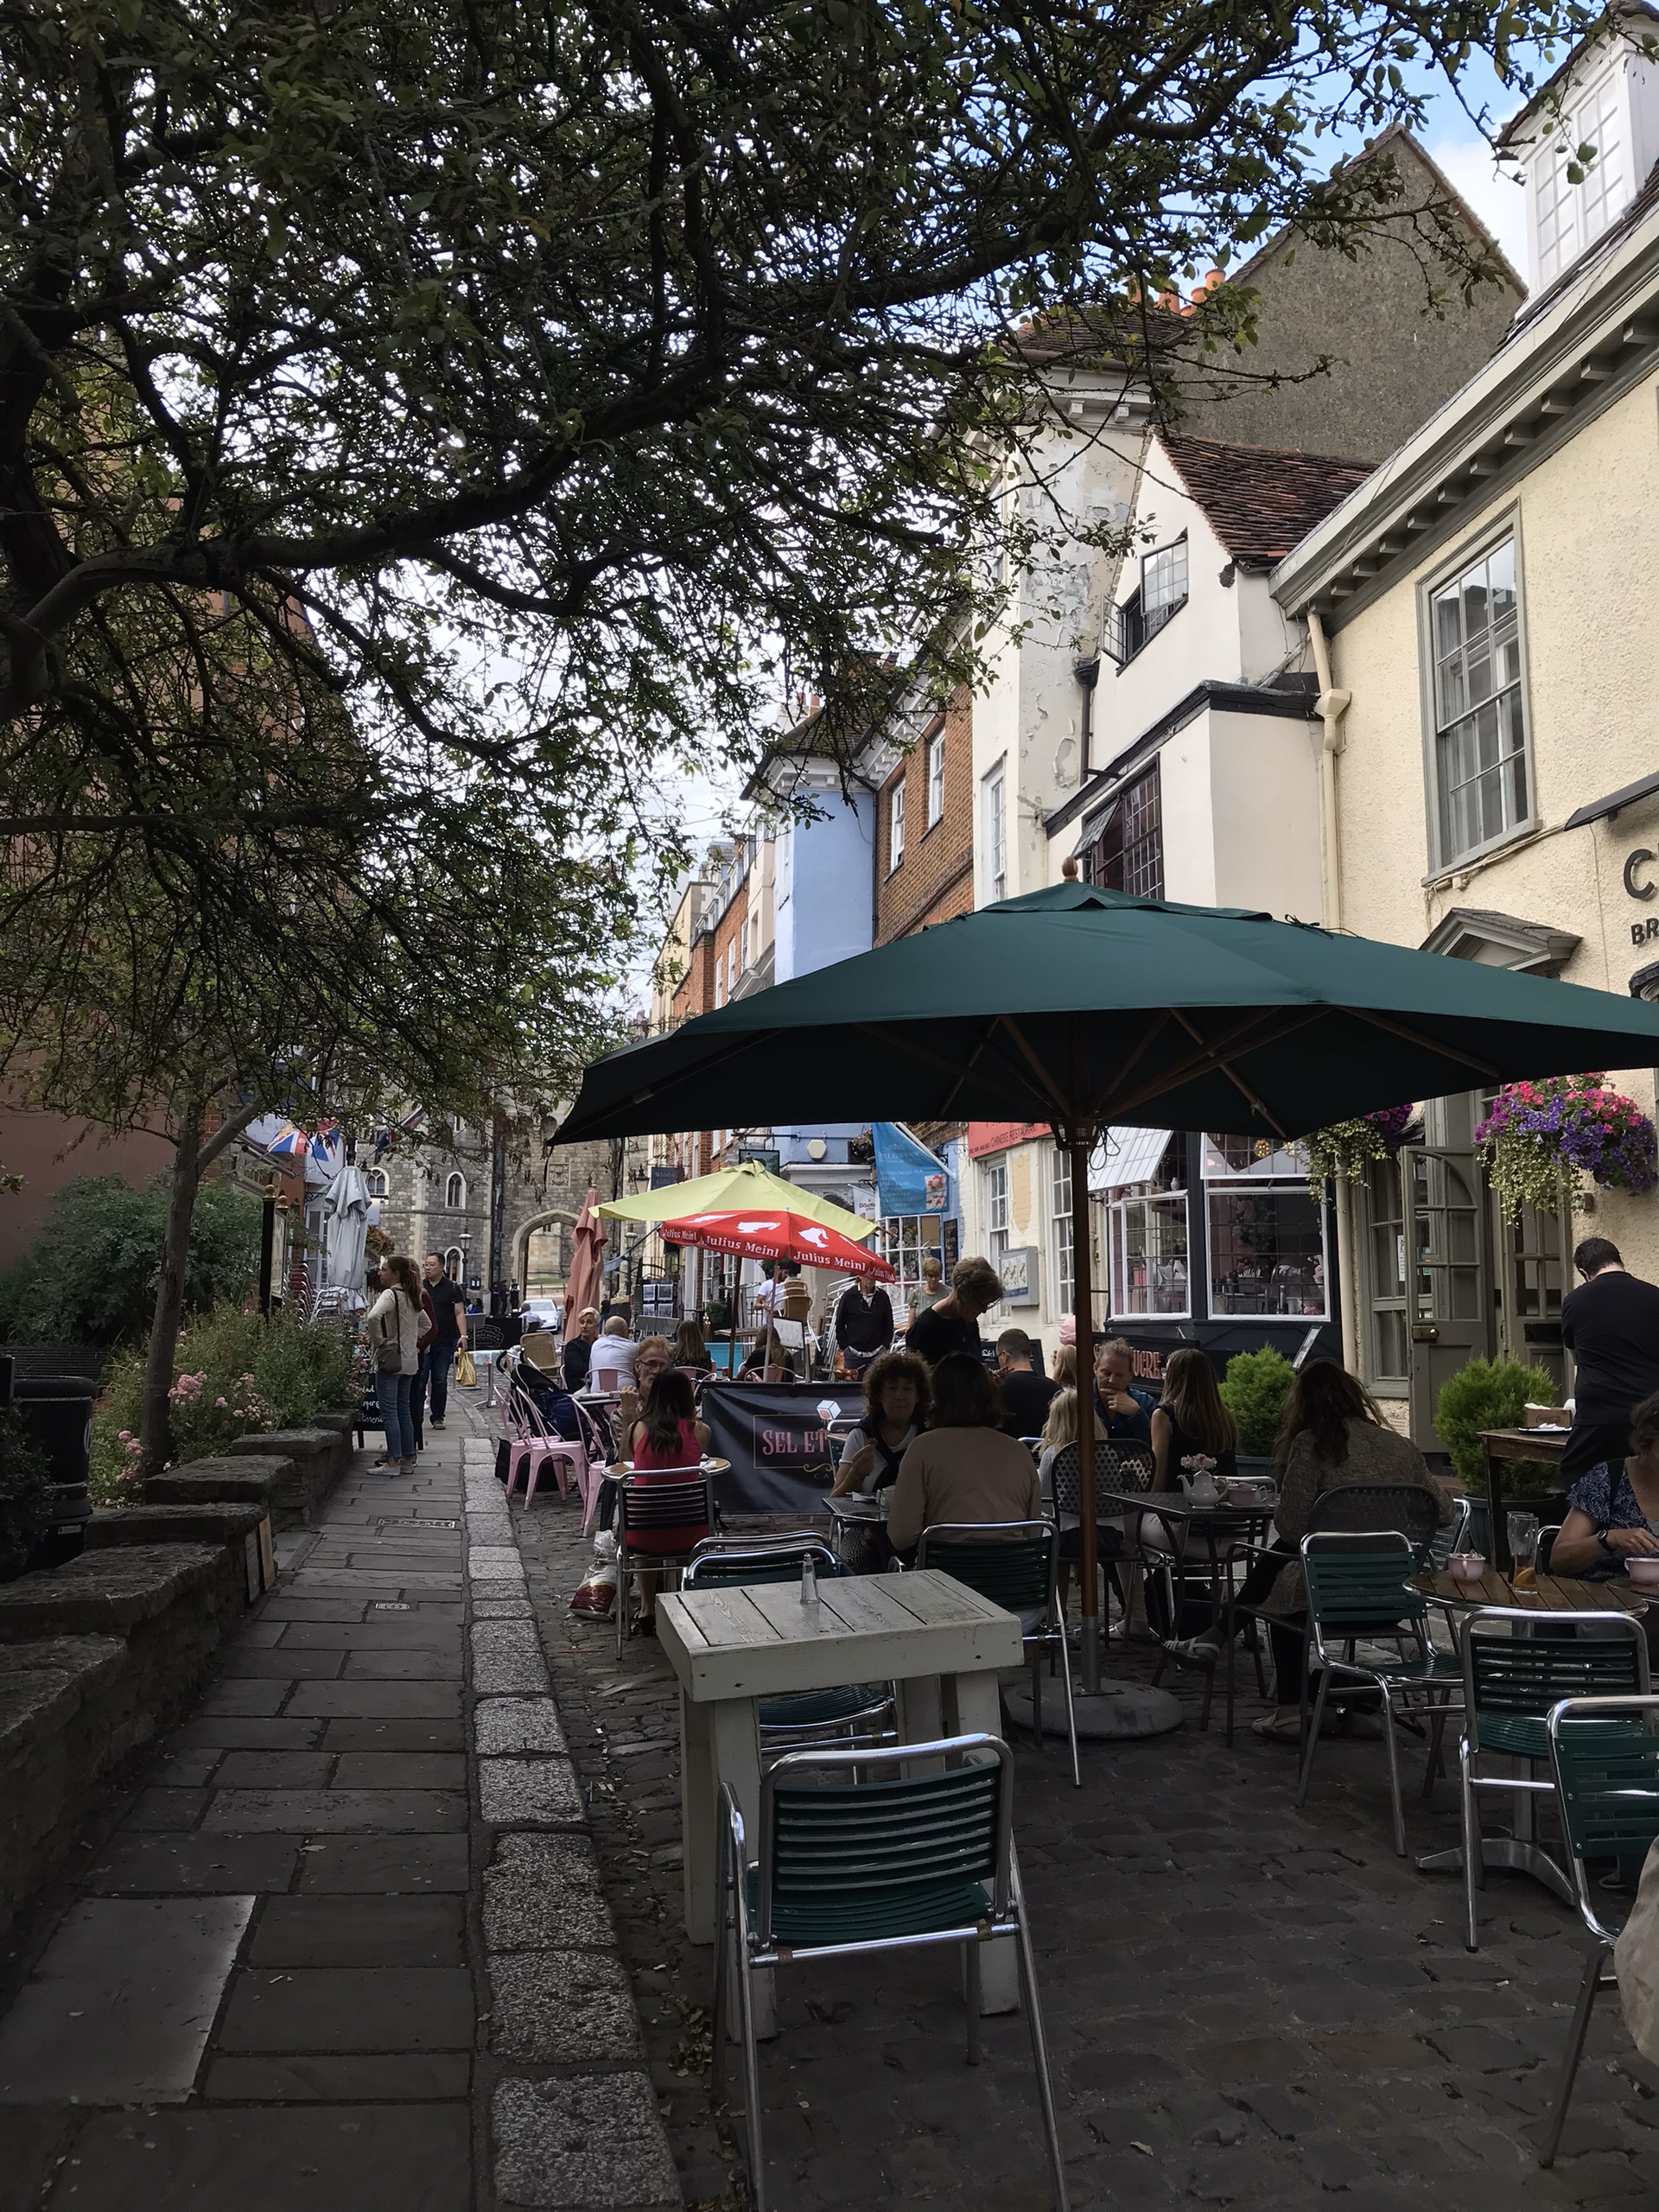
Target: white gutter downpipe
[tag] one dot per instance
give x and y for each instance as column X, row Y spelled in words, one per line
column 1332, row 705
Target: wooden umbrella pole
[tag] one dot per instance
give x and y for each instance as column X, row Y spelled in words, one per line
column 1083, row 1305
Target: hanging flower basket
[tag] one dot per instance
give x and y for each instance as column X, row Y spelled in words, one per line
column 1536, row 1132
column 1346, row 1149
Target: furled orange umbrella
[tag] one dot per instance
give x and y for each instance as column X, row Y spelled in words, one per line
column 586, row 1262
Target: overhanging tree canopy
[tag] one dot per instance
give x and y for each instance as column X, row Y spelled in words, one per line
column 546, row 357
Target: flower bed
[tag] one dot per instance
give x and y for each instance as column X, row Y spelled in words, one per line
column 235, row 1374
column 1536, row 1131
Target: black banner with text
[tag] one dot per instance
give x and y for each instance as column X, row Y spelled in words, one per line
column 777, row 1436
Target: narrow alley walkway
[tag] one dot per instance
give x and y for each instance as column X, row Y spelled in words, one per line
column 324, row 1961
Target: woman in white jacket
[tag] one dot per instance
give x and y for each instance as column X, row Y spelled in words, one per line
column 391, row 1330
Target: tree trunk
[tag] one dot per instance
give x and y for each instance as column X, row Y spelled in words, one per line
column 192, row 1156
column 155, row 1433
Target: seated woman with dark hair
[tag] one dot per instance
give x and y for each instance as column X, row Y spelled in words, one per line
column 1333, row 1437
column 964, row 1468
column 691, row 1349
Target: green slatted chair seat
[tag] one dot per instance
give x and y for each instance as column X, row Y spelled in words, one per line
column 1014, row 1573
column 812, row 1709
column 1513, row 1735
column 1608, row 1775
column 1438, row 1667
column 910, row 1908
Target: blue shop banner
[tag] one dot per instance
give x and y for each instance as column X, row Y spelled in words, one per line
column 909, row 1178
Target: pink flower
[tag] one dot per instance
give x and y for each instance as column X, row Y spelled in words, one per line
column 218, row 1402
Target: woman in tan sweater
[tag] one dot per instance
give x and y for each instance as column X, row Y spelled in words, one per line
column 962, row 1468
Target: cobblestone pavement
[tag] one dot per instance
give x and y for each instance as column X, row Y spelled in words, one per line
column 323, row 1959
column 1247, row 2005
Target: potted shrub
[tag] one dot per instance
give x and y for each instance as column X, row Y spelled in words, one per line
column 1495, row 1394
column 1254, row 1390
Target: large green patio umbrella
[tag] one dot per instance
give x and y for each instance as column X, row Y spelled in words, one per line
column 1079, row 1007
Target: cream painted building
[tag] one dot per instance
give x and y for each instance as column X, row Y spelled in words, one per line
column 1487, row 600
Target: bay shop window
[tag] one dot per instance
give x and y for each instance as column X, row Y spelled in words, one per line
column 1249, row 1242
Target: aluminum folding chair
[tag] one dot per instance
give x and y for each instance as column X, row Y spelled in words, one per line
column 1357, row 1593
column 1016, row 1565
column 1518, row 1665
column 1603, row 1756
column 798, row 1716
column 850, row 1868
column 651, row 1503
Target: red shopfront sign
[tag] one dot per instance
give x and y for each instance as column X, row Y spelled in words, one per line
column 986, row 1137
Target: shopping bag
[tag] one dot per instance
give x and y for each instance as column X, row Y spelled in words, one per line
column 1636, row 1958
column 466, row 1371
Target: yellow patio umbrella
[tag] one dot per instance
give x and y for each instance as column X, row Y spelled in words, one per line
column 729, row 1190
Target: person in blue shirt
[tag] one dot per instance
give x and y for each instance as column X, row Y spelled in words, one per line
column 1123, row 1413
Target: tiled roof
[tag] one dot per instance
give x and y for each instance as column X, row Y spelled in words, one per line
column 1261, row 501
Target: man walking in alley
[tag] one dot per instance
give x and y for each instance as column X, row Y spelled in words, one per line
column 449, row 1307
column 1610, row 1325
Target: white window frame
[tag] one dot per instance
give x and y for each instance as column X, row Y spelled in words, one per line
column 455, row 1193
column 1476, row 549
column 994, row 824
column 454, row 1265
column 895, row 825
column 1217, row 1180
column 378, row 1183
column 994, row 1208
column 936, row 779
column 1600, row 115
column 1060, row 1227
column 1140, row 1201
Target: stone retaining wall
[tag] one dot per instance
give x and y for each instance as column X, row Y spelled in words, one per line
column 65, row 1720
column 98, row 1655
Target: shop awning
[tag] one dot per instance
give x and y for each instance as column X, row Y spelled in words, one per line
column 1125, row 1156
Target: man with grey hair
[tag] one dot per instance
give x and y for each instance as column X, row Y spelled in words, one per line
column 578, row 1349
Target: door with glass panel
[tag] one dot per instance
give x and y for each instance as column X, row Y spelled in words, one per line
column 1447, row 1300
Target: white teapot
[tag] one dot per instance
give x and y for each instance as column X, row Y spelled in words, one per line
column 1199, row 1481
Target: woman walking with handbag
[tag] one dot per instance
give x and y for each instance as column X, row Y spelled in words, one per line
column 391, row 1330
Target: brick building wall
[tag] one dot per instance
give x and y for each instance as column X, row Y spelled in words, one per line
column 934, row 878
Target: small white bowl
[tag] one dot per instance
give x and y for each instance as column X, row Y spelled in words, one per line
column 1643, row 1571
column 1467, row 1566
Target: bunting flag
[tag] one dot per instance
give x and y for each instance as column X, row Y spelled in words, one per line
column 289, row 1143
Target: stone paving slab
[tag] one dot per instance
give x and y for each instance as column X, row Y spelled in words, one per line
column 332, row 1812
column 349, row 2008
column 580, row 2140
column 525, row 1792
column 562, row 2008
column 328, row 2159
column 339, row 2077
column 381, row 1931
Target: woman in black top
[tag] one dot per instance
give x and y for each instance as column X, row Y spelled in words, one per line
column 1191, row 1422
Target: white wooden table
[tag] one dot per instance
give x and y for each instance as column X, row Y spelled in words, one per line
column 940, row 1644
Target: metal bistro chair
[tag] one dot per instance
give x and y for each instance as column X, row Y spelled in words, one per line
column 533, row 1447
column 1016, row 1565
column 1513, row 1678
column 851, row 1868
column 1604, row 1753
column 1357, row 1594
column 1355, row 1509
column 657, row 1499
column 1118, row 1466
column 798, row 1717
